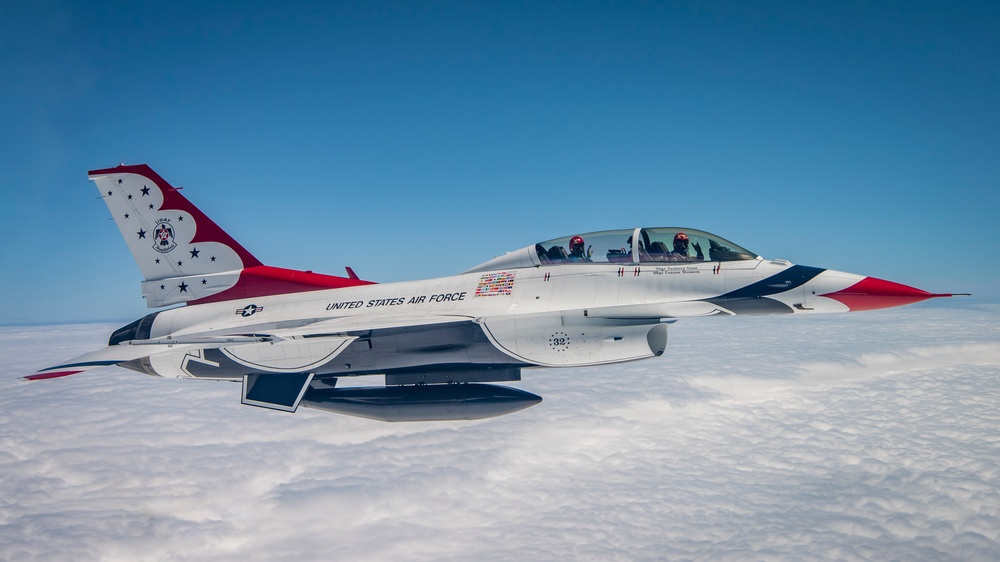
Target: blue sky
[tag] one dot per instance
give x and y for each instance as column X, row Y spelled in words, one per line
column 417, row 140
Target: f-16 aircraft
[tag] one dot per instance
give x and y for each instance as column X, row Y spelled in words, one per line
column 288, row 336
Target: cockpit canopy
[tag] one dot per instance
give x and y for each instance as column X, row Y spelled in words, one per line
column 632, row 246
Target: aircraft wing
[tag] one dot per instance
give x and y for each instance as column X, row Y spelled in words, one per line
column 333, row 331
column 347, row 324
column 659, row 311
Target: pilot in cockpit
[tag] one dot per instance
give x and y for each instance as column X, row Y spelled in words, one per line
column 576, row 250
column 680, row 252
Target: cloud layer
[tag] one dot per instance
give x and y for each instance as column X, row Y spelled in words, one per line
column 852, row 437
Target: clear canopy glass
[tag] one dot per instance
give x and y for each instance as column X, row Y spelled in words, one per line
column 653, row 245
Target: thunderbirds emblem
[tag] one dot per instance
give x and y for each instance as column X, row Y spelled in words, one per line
column 163, row 236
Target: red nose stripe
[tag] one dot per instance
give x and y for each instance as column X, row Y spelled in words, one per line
column 872, row 293
column 55, row 375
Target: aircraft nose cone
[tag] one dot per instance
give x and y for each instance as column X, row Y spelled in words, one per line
column 872, row 293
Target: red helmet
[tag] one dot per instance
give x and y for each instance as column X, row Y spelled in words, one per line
column 575, row 241
column 681, row 236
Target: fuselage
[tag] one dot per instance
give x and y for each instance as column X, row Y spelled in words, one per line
column 640, row 291
column 584, row 299
column 546, row 315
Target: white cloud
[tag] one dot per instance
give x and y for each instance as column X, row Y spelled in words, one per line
column 852, row 437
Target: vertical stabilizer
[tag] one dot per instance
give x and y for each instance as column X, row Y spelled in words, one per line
column 183, row 255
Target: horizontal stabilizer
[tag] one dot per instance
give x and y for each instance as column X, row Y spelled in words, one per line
column 51, row 375
column 138, row 349
column 105, row 357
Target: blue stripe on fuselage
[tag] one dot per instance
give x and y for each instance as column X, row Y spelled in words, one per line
column 789, row 279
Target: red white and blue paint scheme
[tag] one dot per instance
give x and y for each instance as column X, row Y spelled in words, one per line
column 288, row 336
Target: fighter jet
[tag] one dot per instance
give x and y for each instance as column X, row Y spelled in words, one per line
column 289, row 336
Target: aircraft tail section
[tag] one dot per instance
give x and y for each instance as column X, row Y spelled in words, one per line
column 182, row 254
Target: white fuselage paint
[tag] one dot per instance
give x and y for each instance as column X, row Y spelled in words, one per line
column 553, row 315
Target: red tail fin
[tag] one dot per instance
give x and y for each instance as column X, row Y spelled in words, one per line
column 183, row 255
